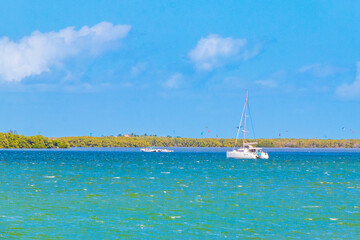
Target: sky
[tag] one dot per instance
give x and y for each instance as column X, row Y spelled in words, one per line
column 180, row 68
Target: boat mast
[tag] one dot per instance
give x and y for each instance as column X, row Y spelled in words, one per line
column 244, row 129
column 241, row 119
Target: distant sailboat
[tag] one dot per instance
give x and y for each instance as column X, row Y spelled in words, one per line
column 247, row 151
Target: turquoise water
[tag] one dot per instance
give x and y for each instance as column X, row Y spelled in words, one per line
column 189, row 194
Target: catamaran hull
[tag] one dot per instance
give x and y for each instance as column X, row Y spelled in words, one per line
column 246, row 155
column 240, row 155
column 264, row 155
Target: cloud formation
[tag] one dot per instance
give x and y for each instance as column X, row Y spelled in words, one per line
column 273, row 80
column 37, row 53
column 215, row 51
column 321, row 70
column 267, row 83
column 351, row 91
column 174, row 81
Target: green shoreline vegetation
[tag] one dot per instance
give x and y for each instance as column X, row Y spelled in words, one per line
column 14, row 140
column 147, row 141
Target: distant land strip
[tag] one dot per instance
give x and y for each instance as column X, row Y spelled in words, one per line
column 13, row 140
column 147, row 141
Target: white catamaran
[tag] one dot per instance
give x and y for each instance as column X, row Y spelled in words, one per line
column 153, row 149
column 247, row 151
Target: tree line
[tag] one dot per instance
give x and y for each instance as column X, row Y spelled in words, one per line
column 14, row 140
column 148, row 141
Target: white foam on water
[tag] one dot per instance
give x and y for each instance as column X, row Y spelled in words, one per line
column 165, row 172
column 174, row 217
column 333, row 219
column 49, row 176
column 116, row 177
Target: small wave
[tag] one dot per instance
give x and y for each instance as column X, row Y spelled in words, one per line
column 49, row 176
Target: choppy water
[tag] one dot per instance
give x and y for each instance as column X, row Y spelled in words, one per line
column 189, row 194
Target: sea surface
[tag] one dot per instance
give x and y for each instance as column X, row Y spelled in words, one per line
column 193, row 193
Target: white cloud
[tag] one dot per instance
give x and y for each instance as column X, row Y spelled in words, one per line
column 321, row 70
column 137, row 69
column 267, row 83
column 174, row 81
column 37, row 53
column 351, row 91
column 215, row 51
column 274, row 79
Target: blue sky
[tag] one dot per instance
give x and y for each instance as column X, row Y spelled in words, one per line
column 180, row 67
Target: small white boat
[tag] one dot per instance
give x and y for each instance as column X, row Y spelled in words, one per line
column 152, row 149
column 247, row 151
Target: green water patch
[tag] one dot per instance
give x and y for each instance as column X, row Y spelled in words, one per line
column 115, row 195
